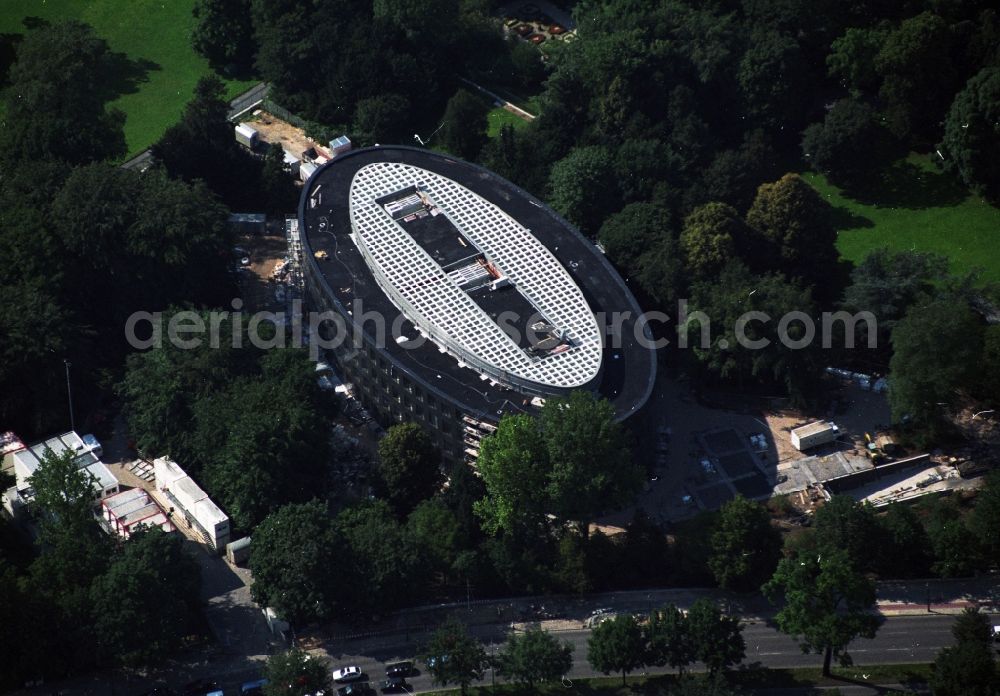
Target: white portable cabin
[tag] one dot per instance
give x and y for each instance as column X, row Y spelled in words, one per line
column 813, row 435
column 196, row 508
column 339, row 146
column 305, row 170
column 238, row 552
column 246, row 136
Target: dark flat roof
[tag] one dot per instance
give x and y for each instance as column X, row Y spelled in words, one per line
column 627, row 374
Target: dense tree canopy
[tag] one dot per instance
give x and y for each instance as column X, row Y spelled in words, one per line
column 155, row 581
column 296, row 673
column 409, row 467
column 54, row 105
column 453, row 656
column 968, row 668
column 745, row 546
column 617, row 645
column 293, row 550
column 533, row 657
column 850, row 144
column 935, row 347
column 972, row 134
column 223, row 34
column 463, row 129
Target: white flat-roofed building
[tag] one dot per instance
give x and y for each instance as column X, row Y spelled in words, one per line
column 476, row 245
column 196, row 509
column 27, row 460
column 129, row 511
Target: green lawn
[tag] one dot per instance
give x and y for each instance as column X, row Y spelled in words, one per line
column 917, row 207
column 499, row 117
column 155, row 36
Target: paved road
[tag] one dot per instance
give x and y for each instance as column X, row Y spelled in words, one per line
column 901, row 639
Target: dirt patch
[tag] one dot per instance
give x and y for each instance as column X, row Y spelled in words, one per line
column 272, row 130
column 256, row 283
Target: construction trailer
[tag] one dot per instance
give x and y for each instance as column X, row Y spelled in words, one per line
column 238, row 552
column 194, row 507
column 339, row 146
column 130, row 511
column 246, row 136
column 813, row 435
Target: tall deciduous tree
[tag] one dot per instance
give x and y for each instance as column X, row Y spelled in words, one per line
column 54, row 105
column 669, row 640
column 717, row 639
column 152, row 580
column 582, row 187
column 202, row 146
column 918, row 76
column 971, row 143
column 534, row 657
column 850, row 144
column 383, row 119
column 617, row 645
column 985, row 519
column 409, row 466
column 296, row 673
column 388, row 570
column 641, row 240
column 453, row 656
column 745, row 546
column 935, row 348
column 827, row 603
column 967, row 668
column 464, row 129
column 843, row 523
column 710, row 238
column 223, row 33
column 513, row 463
column 905, row 551
column 793, row 219
column 591, row 470
column 749, row 347
column 293, row 550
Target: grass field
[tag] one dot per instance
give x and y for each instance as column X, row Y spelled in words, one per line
column 921, row 208
column 499, row 117
column 154, row 36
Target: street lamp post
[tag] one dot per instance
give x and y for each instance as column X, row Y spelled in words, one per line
column 69, row 396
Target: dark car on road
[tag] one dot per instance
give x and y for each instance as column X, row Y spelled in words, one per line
column 356, row 689
column 399, row 669
column 394, row 685
column 200, row 687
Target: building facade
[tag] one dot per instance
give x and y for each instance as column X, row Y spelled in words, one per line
column 452, row 297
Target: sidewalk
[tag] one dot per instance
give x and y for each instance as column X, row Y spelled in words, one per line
column 568, row 613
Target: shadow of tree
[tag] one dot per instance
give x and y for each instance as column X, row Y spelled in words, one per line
column 905, row 185
column 8, row 49
column 120, row 74
column 844, row 219
column 123, row 75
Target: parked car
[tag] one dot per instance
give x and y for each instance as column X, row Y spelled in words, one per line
column 253, row 688
column 92, row 444
column 432, row 661
column 394, row 685
column 356, row 689
column 399, row 669
column 200, row 687
column 347, row 674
